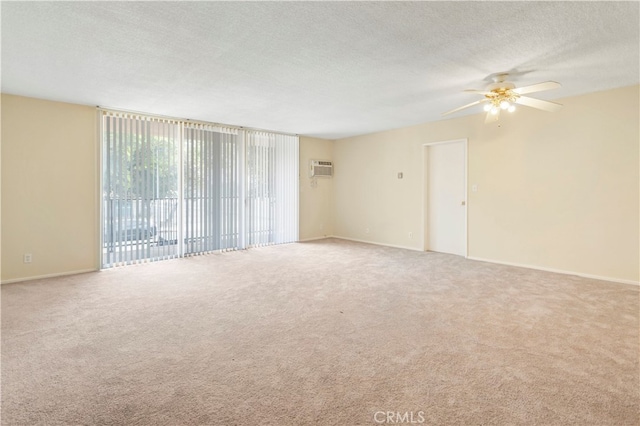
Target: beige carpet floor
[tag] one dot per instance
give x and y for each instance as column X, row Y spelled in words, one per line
column 328, row 333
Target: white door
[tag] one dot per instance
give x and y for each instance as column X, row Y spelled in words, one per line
column 446, row 198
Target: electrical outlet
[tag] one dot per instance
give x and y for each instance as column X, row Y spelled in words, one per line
column 366, row 230
column 27, row 258
column 322, row 226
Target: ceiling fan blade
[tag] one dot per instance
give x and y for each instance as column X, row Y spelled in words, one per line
column 538, row 103
column 547, row 85
column 490, row 118
column 465, row 106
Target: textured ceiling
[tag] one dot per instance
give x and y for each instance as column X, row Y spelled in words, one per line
column 325, row 69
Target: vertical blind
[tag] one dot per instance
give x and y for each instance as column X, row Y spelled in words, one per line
column 173, row 188
column 211, row 193
column 140, row 188
column 272, row 190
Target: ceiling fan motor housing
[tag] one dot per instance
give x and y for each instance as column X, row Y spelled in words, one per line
column 501, row 86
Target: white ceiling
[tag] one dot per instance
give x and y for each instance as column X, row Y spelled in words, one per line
column 325, row 69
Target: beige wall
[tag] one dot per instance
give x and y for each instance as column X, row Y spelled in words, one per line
column 316, row 195
column 557, row 191
column 368, row 194
column 49, row 197
column 48, row 187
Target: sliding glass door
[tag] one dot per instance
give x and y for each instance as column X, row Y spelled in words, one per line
column 140, row 189
column 174, row 188
column 211, row 189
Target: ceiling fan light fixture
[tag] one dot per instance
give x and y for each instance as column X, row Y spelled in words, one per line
column 503, row 95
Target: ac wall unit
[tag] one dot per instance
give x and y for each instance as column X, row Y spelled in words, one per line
column 320, row 168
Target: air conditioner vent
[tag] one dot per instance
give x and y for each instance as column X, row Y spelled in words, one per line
column 321, row 168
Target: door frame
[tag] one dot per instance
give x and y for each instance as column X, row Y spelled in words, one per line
column 425, row 189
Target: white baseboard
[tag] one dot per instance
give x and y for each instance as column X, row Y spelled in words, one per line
column 520, row 265
column 315, row 238
column 376, row 243
column 480, row 259
column 557, row 271
column 39, row 277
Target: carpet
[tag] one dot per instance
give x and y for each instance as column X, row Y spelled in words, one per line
column 330, row 332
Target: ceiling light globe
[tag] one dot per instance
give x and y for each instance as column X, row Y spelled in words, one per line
column 504, row 104
column 512, row 108
column 486, row 107
column 495, row 110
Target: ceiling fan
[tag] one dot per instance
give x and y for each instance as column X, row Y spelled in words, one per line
column 504, row 95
